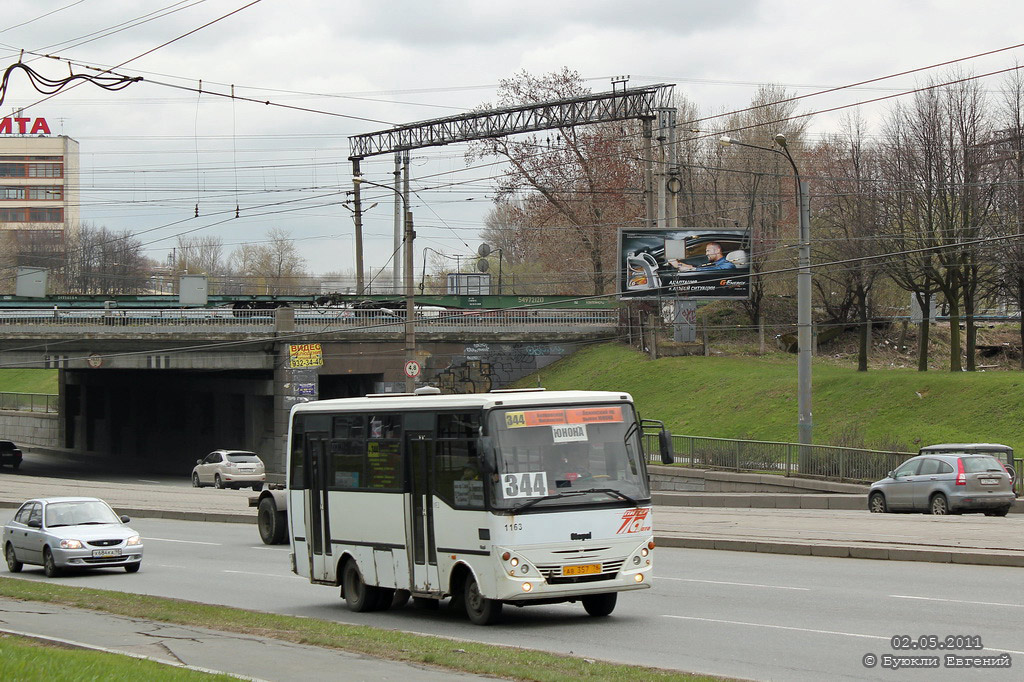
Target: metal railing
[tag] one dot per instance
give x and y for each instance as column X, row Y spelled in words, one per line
column 30, row 402
column 853, row 465
column 200, row 320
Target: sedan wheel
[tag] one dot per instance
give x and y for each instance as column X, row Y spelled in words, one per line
column 939, row 505
column 195, row 481
column 49, row 566
column 876, row 503
column 13, row 565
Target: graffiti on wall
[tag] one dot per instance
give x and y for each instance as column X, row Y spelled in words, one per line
column 482, row 367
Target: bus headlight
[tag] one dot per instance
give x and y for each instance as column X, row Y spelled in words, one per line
column 527, row 587
column 636, row 560
column 514, row 561
column 639, row 577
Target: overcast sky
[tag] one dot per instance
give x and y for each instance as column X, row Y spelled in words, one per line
column 152, row 152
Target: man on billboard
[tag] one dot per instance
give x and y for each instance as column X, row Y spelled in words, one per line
column 685, row 263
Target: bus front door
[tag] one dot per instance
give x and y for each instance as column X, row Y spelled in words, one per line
column 420, row 535
column 318, row 525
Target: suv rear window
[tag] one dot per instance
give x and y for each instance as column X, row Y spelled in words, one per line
column 243, row 458
column 973, row 465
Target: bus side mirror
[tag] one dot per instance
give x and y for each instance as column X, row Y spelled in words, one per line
column 668, row 455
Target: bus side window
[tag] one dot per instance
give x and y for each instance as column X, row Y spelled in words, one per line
column 297, row 481
column 458, row 479
column 347, row 452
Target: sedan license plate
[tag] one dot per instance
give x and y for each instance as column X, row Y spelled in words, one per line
column 104, row 553
column 989, row 481
column 582, row 569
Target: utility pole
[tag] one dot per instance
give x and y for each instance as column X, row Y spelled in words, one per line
column 396, row 267
column 358, row 217
column 410, row 309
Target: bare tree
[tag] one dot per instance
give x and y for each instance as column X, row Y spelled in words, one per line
column 575, row 186
column 846, row 226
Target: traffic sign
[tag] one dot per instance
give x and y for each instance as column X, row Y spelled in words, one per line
column 412, row 369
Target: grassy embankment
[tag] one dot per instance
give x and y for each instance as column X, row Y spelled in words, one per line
column 27, row 659
column 484, row 659
column 755, row 398
column 28, row 381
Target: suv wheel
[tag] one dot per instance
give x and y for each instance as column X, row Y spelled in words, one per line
column 876, row 503
column 938, row 505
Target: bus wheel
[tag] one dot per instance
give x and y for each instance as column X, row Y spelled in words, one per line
column 480, row 609
column 600, row 604
column 359, row 596
column 271, row 522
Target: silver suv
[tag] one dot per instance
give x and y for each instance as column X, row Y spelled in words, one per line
column 945, row 484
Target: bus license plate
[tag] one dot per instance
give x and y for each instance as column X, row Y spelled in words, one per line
column 582, row 569
column 103, row 553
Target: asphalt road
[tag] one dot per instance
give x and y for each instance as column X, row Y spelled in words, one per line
column 757, row 616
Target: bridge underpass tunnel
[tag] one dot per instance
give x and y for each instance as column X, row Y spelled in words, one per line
column 163, row 421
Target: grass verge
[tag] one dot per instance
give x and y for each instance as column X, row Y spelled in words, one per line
column 483, row 659
column 27, row 659
column 28, row 381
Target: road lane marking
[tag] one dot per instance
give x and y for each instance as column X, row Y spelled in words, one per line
column 811, row 630
column 143, row 480
column 722, row 582
column 267, row 575
column 958, row 601
column 187, row 542
column 272, row 549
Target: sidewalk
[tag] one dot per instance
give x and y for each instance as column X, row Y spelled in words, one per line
column 252, row 657
column 758, row 523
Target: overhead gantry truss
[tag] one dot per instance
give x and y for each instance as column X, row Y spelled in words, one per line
column 619, row 105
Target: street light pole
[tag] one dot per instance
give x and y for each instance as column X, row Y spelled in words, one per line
column 407, row 258
column 805, row 421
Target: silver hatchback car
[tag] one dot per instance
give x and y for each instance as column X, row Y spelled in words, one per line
column 945, row 484
column 70, row 532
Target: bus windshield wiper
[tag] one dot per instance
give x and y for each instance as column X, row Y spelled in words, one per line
column 613, row 493
column 555, row 496
column 573, row 493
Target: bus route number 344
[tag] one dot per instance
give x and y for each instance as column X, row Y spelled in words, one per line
column 525, row 484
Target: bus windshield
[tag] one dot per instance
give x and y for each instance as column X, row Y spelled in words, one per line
column 566, row 456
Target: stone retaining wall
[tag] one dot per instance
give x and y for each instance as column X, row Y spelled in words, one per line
column 30, row 428
column 683, row 479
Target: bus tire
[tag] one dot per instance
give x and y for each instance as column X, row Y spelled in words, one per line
column 480, row 609
column 272, row 523
column 359, row 596
column 600, row 604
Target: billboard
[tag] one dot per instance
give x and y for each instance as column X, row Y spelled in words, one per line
column 684, row 263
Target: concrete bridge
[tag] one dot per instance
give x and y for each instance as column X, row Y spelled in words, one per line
column 160, row 388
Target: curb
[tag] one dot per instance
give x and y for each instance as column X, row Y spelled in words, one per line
column 135, row 512
column 941, row 556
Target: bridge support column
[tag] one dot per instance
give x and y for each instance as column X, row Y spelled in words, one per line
column 292, row 385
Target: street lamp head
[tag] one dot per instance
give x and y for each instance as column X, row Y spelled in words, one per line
column 725, row 140
column 780, row 140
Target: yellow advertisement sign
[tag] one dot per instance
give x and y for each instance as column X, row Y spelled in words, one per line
column 305, row 355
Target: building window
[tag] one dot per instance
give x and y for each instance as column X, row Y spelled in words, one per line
column 31, row 215
column 46, row 215
column 12, row 170
column 52, row 193
column 45, row 170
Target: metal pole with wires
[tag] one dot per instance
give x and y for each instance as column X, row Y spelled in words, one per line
column 407, row 259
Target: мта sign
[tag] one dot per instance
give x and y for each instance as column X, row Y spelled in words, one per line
column 8, row 126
